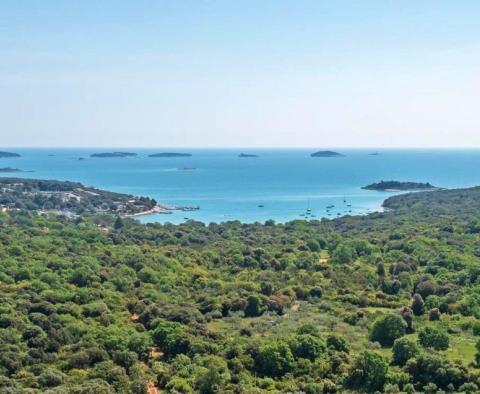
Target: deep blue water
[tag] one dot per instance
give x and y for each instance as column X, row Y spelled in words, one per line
column 227, row 187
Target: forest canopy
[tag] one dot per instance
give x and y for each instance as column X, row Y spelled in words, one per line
column 387, row 302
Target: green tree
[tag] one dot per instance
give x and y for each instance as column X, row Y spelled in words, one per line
column 433, row 337
column 344, row 254
column 403, row 350
column 254, row 306
column 388, row 328
column 307, row 346
column 368, row 372
column 274, row 359
column 417, row 305
column 118, row 223
column 214, row 377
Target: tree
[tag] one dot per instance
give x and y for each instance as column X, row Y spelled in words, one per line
column 253, row 307
column 434, row 314
column 426, row 288
column 432, row 337
column 215, row 376
column 417, row 305
column 407, row 315
column 337, row 343
column 118, row 223
column 344, row 254
column 274, row 359
column 403, row 350
column 427, row 368
column 307, row 346
column 368, row 372
column 388, row 328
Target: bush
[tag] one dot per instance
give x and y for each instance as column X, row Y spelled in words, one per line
column 344, row 254
column 417, row 305
column 274, row 360
column 432, row 337
column 403, row 350
column 388, row 328
column 337, row 343
column 254, row 306
column 368, row 372
column 434, row 314
column 307, row 346
column 476, row 328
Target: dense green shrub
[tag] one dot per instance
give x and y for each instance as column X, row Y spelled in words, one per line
column 388, row 328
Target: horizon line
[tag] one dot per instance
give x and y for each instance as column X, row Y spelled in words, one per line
column 246, row 147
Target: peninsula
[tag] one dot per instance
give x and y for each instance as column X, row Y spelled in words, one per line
column 8, row 154
column 399, row 186
column 170, row 154
column 247, row 155
column 326, row 153
column 113, row 154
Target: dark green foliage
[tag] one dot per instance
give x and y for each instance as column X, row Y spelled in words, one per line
column 254, row 306
column 428, row 368
column 337, row 342
column 344, row 254
column 432, row 337
column 274, row 359
column 403, row 350
column 434, row 314
column 388, row 328
column 417, row 305
column 230, row 307
column 368, row 372
column 307, row 346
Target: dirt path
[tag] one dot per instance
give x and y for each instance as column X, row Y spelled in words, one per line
column 151, row 388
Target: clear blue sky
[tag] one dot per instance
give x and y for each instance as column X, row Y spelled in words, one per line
column 239, row 73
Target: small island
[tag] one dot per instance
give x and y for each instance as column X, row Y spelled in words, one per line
column 10, row 170
column 247, row 155
column 8, row 154
column 113, row 154
column 170, row 154
column 326, row 153
column 399, row 186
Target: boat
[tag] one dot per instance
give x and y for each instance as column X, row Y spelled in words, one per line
column 261, row 205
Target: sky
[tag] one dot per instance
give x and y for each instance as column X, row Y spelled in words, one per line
column 225, row 73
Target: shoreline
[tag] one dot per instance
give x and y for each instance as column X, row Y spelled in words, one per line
column 162, row 210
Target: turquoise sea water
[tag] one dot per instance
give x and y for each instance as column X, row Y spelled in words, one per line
column 226, row 187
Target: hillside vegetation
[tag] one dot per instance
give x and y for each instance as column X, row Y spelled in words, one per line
column 388, row 302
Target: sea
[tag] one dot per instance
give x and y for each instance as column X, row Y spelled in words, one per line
column 279, row 184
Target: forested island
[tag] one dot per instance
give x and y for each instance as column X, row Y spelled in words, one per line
column 246, row 155
column 10, row 170
column 399, row 186
column 383, row 303
column 8, row 154
column 113, row 154
column 326, row 153
column 170, row 154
